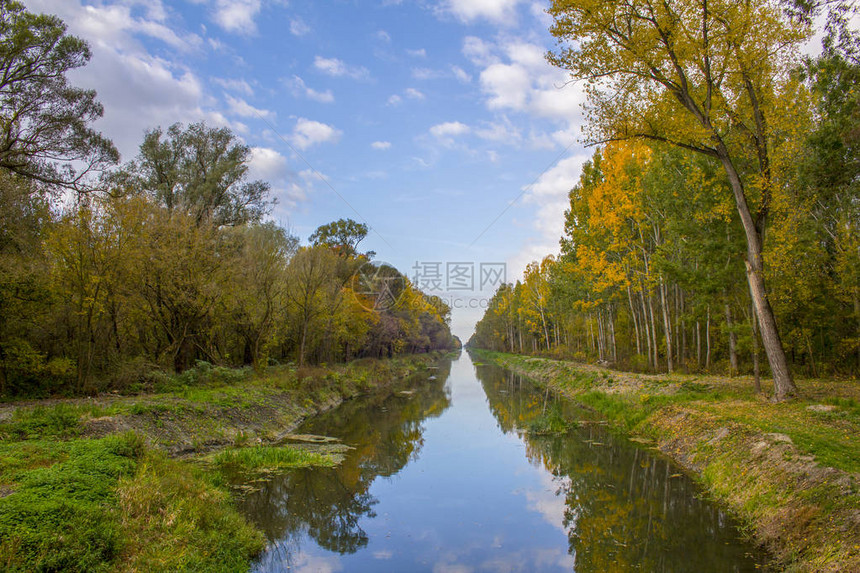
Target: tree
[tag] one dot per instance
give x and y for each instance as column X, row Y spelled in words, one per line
column 343, row 235
column 259, row 280
column 44, row 121
column 313, row 291
column 201, row 171
column 699, row 75
column 24, row 281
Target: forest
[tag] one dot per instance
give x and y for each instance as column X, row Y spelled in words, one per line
column 113, row 275
column 716, row 227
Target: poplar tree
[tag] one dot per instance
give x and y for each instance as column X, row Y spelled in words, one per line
column 702, row 75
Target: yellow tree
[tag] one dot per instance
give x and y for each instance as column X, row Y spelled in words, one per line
column 536, row 294
column 699, row 74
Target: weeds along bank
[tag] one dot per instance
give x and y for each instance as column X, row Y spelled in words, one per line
column 790, row 471
column 95, row 484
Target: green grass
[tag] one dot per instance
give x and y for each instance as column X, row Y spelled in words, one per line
column 269, row 458
column 60, row 517
column 69, row 502
column 176, row 519
column 60, row 421
column 552, row 421
column 113, row 504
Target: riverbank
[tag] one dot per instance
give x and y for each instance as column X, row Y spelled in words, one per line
column 116, row 483
column 790, row 471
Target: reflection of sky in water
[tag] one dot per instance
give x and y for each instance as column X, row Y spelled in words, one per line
column 475, row 499
column 455, row 508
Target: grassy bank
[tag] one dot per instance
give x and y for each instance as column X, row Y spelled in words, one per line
column 791, row 471
column 96, row 484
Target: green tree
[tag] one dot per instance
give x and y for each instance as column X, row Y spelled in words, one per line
column 257, row 291
column 313, row 291
column 25, row 294
column 201, row 171
column 44, row 121
column 343, row 235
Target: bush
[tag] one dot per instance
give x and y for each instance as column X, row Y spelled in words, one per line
column 31, row 373
column 136, row 375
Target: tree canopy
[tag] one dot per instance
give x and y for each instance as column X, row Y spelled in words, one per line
column 202, row 171
column 45, row 131
column 343, row 235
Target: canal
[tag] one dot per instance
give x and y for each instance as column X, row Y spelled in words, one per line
column 446, row 476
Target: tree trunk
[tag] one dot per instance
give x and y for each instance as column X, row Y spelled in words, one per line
column 811, row 357
column 591, row 333
column 612, row 340
column 857, row 315
column 698, row 344
column 635, row 321
column 708, row 339
column 653, row 331
column 733, row 342
column 520, row 332
column 756, row 365
column 783, row 384
column 646, row 328
column 600, row 337
column 681, row 326
column 667, row 326
column 302, row 344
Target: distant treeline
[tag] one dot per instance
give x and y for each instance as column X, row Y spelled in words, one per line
column 168, row 259
column 724, row 192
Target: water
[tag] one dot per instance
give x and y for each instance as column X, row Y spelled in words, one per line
column 446, row 480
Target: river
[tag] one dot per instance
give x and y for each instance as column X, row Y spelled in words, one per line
column 444, row 477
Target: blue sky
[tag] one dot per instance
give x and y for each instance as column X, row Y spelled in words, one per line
column 424, row 118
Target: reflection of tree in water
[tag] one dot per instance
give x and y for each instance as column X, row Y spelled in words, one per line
column 328, row 504
column 623, row 510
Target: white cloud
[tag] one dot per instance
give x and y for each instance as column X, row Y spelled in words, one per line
column 383, row 36
column 449, row 129
column 337, row 68
column 308, row 133
column 499, row 132
column 422, row 53
column 412, row 93
column 386, row 554
column 269, row 165
column 427, row 74
column 114, row 24
column 461, row 74
column 139, row 91
column 242, row 108
column 234, row 85
column 395, row 100
column 298, row 27
column 550, row 194
column 381, row 145
column 498, row 11
column 237, row 16
column 478, row 51
column 506, row 85
column 300, row 89
column 516, row 77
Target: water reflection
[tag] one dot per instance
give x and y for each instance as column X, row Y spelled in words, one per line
column 328, row 505
column 621, row 507
column 465, row 489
